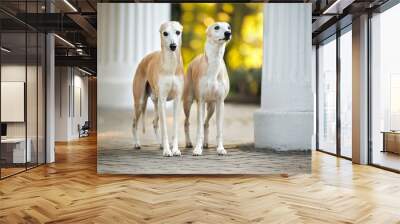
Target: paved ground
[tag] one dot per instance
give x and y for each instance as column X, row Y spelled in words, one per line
column 116, row 154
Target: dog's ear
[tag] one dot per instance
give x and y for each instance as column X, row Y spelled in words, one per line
column 161, row 28
column 208, row 30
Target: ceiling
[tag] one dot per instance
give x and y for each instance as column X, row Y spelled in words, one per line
column 75, row 23
column 329, row 16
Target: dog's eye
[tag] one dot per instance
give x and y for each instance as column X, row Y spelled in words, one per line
column 178, row 32
column 229, row 28
column 216, row 28
column 165, row 34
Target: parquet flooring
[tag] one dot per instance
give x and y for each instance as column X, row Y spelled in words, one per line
column 70, row 191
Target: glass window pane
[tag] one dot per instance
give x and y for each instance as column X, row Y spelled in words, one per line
column 22, row 90
column 31, row 97
column 346, row 94
column 327, row 96
column 386, row 89
column 31, row 87
column 13, row 86
column 41, row 98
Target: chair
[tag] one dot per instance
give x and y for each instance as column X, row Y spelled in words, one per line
column 84, row 130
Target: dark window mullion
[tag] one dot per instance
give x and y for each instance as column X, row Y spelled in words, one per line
column 369, row 91
column 317, row 97
column 37, row 90
column 0, row 97
column 338, row 91
column 26, row 86
column 45, row 88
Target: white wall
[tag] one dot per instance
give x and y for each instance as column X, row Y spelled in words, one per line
column 62, row 81
column 12, row 73
column 34, row 125
column 80, row 83
column 67, row 116
column 15, row 73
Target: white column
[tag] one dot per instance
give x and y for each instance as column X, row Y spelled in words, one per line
column 360, row 90
column 314, row 88
column 50, row 99
column 285, row 120
column 126, row 33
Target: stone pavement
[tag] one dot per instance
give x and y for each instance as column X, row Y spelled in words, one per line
column 116, row 154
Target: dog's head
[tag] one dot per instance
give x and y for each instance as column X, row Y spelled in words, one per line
column 171, row 35
column 219, row 32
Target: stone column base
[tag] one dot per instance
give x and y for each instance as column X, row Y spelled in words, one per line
column 283, row 131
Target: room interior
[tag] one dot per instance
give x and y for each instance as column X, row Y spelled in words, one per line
column 49, row 91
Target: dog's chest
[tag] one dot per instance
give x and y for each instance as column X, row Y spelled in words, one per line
column 211, row 89
column 169, row 64
column 170, row 86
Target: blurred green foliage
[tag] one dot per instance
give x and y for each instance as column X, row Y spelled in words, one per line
column 244, row 53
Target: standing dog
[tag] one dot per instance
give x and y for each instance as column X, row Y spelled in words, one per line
column 207, row 82
column 160, row 76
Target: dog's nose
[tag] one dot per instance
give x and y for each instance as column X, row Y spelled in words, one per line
column 227, row 34
column 172, row 47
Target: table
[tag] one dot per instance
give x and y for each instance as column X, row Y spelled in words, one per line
column 16, row 147
column 391, row 141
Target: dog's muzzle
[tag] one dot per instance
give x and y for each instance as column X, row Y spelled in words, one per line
column 227, row 35
column 172, row 47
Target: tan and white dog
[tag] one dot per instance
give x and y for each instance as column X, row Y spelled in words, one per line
column 160, row 76
column 207, row 82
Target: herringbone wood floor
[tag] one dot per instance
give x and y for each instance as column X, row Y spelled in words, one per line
column 70, row 191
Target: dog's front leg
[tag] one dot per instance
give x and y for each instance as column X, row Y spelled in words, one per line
column 220, row 123
column 175, row 149
column 163, row 121
column 200, row 128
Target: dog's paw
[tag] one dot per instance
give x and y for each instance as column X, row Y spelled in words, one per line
column 221, row 151
column 197, row 151
column 167, row 153
column 136, row 146
column 189, row 145
column 176, row 152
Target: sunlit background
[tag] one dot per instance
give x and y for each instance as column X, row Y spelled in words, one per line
column 244, row 53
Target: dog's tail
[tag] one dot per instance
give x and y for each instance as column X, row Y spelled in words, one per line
column 146, row 95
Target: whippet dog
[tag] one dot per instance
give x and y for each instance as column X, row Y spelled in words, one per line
column 160, row 76
column 207, row 82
